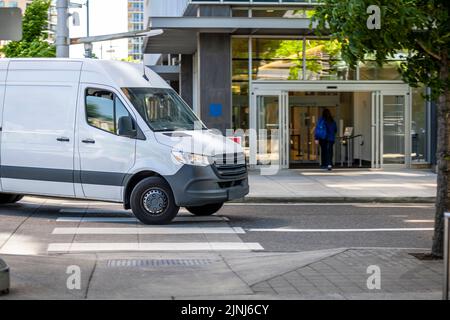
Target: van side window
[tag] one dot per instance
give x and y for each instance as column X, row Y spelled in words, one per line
column 121, row 111
column 104, row 109
column 100, row 109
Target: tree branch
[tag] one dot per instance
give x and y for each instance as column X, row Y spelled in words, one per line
column 428, row 51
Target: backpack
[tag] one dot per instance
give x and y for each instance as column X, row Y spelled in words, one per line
column 321, row 130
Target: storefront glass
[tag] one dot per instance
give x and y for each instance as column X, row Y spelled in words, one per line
column 282, row 59
column 277, row 59
column 282, row 13
column 323, row 61
column 370, row 70
column 240, row 83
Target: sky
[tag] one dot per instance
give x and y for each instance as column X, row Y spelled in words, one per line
column 106, row 17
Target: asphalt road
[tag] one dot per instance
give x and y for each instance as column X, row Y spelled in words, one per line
column 37, row 226
column 311, row 227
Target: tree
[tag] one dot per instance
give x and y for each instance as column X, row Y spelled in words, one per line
column 34, row 39
column 419, row 27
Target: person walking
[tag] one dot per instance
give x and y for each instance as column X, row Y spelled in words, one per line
column 325, row 136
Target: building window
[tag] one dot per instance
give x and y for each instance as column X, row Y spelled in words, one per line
column 323, row 61
column 240, row 12
column 240, row 83
column 283, row 59
column 281, row 13
column 370, row 70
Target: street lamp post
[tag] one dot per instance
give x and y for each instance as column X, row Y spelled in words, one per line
column 87, row 18
column 88, row 46
column 62, row 29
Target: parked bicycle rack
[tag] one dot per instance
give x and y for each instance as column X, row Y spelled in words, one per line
column 446, row 255
column 346, row 143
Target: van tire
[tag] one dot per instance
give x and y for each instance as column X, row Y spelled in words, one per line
column 206, row 210
column 152, row 201
column 10, row 198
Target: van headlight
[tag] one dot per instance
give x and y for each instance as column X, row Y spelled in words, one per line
column 191, row 158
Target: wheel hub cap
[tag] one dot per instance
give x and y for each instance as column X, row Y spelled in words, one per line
column 155, row 201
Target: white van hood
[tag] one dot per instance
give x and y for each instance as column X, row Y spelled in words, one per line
column 203, row 142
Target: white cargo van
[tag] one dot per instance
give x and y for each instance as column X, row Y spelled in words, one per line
column 102, row 130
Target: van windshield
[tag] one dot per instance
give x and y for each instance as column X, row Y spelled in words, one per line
column 163, row 109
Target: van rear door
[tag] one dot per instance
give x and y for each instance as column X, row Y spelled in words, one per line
column 37, row 146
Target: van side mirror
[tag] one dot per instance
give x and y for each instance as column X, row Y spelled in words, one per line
column 125, row 127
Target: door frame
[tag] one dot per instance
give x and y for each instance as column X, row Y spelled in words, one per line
column 282, row 118
column 378, row 127
column 282, row 89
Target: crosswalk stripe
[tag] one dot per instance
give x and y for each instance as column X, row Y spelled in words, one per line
column 103, row 211
column 155, row 246
column 151, row 230
column 132, row 219
column 96, row 219
column 341, row 230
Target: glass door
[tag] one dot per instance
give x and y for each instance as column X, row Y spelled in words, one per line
column 267, row 130
column 394, row 124
column 302, row 124
column 390, row 129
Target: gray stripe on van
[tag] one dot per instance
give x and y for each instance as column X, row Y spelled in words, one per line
column 63, row 175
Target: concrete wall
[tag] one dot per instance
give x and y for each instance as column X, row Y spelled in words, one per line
column 186, row 79
column 215, row 79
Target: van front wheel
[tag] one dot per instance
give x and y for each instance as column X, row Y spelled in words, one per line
column 205, row 210
column 9, row 198
column 152, row 201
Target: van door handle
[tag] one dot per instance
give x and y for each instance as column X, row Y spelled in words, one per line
column 63, row 139
column 88, row 141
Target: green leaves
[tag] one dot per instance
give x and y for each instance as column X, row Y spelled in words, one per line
column 34, row 41
column 421, row 27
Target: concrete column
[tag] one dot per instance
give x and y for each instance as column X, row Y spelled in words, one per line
column 215, row 80
column 186, row 80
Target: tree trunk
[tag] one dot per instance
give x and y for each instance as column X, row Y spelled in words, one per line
column 443, row 154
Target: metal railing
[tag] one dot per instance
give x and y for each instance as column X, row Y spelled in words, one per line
column 347, row 144
column 446, row 255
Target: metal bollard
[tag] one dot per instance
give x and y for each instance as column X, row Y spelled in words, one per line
column 446, row 255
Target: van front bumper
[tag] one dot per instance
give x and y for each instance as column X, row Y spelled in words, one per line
column 198, row 186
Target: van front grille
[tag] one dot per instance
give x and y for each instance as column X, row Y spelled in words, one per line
column 230, row 166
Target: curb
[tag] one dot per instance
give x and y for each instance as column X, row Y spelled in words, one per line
column 336, row 200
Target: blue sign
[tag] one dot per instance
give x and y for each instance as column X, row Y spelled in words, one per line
column 215, row 110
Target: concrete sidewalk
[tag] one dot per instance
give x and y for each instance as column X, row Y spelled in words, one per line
column 342, row 185
column 325, row 274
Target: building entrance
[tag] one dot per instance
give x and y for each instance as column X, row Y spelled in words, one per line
column 372, row 126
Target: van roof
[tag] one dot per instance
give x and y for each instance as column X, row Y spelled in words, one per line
column 108, row 72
